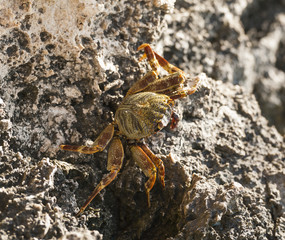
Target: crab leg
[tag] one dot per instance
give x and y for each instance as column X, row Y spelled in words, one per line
column 167, row 84
column 99, row 144
column 143, row 83
column 147, row 166
column 157, row 162
column 149, row 54
column 115, row 161
column 166, row 65
column 193, row 86
column 152, row 56
column 173, row 85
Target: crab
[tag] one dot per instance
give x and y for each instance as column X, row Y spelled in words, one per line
column 145, row 110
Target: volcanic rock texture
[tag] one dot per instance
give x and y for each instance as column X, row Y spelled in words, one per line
column 65, row 67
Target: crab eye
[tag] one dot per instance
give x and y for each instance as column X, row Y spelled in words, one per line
column 174, row 120
column 159, row 126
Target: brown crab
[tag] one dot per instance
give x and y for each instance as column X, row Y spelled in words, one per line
column 146, row 109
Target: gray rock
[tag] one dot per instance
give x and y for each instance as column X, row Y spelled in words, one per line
column 64, row 70
column 239, row 41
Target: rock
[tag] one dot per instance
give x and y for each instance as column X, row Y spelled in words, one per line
column 232, row 43
column 5, row 124
column 65, row 67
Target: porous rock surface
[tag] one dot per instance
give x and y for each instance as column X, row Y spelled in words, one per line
column 65, row 67
column 239, row 41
